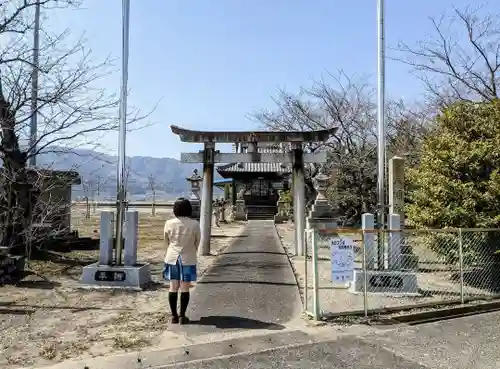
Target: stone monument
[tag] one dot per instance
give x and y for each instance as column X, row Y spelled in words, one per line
column 408, row 260
column 394, row 280
column 399, row 277
column 194, row 199
column 106, row 273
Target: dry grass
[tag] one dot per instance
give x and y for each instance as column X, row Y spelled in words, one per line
column 47, row 318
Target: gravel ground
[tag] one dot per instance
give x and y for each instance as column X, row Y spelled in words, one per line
column 47, row 318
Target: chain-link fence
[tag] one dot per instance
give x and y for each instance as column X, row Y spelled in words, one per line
column 369, row 270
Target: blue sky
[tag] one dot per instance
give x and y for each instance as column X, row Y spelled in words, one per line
column 210, row 63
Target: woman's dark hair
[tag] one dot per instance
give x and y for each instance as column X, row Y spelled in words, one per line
column 183, row 208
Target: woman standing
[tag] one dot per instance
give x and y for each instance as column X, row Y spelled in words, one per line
column 182, row 237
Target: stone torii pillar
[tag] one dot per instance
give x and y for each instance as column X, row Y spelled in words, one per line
column 207, row 191
column 299, row 197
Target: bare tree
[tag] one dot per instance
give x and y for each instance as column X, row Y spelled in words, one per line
column 98, row 188
column 462, row 59
column 152, row 187
column 351, row 151
column 92, row 188
column 87, row 189
column 96, row 184
column 406, row 129
column 72, row 109
column 346, row 103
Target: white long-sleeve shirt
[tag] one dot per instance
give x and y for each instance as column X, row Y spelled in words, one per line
column 182, row 237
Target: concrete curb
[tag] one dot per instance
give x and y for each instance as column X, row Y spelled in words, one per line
column 443, row 314
column 198, row 352
column 301, row 294
column 438, row 313
column 397, row 309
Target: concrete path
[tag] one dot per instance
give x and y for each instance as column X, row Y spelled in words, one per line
column 250, row 286
column 463, row 343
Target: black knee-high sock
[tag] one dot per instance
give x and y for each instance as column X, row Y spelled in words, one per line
column 172, row 300
column 184, row 303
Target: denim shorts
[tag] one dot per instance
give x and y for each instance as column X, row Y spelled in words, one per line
column 179, row 272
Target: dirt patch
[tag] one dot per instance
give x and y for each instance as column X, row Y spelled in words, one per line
column 48, row 318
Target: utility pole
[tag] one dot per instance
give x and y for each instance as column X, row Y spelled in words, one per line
column 121, row 169
column 34, row 87
column 381, row 127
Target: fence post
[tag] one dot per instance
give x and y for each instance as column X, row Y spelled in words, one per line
column 307, row 235
column 365, row 275
column 394, row 244
column 368, row 223
column 461, row 264
column 316, row 309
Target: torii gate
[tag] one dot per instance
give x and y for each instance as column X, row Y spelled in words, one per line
column 209, row 157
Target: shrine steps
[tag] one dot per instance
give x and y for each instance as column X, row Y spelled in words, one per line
column 261, row 212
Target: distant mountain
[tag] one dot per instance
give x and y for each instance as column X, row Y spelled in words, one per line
column 99, row 170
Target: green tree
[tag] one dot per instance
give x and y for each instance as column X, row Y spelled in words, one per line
column 457, row 182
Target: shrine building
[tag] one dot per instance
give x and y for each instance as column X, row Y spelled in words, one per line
column 258, row 184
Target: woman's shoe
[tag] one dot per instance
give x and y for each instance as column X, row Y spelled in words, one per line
column 183, row 320
column 174, row 320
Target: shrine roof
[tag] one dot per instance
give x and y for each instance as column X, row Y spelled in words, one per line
column 227, row 169
column 187, row 135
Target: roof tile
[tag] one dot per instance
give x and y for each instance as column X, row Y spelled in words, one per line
column 254, row 168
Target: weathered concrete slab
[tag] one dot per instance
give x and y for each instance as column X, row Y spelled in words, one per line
column 250, row 286
column 462, row 343
column 346, row 353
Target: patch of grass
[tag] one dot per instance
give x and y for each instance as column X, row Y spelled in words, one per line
column 125, row 342
column 14, row 359
column 74, row 349
column 48, row 351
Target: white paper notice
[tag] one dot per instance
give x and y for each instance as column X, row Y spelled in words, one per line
column 342, row 252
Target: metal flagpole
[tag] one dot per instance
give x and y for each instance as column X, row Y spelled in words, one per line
column 381, row 126
column 34, row 87
column 121, row 170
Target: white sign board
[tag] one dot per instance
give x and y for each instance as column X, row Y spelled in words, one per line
column 342, row 252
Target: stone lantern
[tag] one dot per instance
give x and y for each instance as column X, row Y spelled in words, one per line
column 194, row 199
column 322, row 214
column 321, row 186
